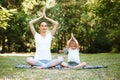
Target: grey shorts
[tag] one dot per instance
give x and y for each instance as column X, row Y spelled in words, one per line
column 42, row 62
column 72, row 63
column 46, row 63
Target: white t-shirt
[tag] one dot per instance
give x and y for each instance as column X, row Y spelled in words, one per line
column 43, row 46
column 73, row 55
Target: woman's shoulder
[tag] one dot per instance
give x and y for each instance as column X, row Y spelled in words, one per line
column 49, row 34
column 36, row 34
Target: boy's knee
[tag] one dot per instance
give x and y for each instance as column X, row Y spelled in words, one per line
column 84, row 63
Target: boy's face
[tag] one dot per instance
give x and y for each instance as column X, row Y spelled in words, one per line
column 72, row 44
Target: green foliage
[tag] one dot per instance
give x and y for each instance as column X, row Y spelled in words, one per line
column 5, row 16
column 93, row 22
column 100, row 44
column 32, row 7
column 106, row 18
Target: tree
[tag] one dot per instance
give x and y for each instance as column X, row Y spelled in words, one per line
column 95, row 24
column 107, row 20
column 5, row 16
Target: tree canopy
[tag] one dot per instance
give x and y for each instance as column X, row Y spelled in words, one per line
column 95, row 24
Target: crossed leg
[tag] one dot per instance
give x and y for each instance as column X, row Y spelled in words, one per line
column 81, row 65
column 39, row 64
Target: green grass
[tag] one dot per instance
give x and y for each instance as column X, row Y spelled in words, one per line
column 9, row 72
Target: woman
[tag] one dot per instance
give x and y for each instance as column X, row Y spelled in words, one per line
column 42, row 58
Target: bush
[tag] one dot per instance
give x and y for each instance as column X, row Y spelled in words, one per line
column 100, row 44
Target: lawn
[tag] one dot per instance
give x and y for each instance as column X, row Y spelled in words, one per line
column 9, row 72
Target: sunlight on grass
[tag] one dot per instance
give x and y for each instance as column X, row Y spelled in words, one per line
column 9, row 72
column 14, row 54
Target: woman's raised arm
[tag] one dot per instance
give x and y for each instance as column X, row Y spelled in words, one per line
column 55, row 23
column 32, row 26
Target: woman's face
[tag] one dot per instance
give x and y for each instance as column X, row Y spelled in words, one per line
column 43, row 27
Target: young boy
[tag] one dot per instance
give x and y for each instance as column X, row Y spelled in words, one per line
column 73, row 54
column 74, row 57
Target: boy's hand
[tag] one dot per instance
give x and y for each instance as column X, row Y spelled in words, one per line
column 72, row 35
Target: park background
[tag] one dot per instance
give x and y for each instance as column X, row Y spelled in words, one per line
column 95, row 24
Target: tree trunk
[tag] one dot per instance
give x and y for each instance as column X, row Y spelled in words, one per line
column 3, row 42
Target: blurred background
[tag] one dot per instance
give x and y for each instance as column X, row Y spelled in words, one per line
column 95, row 24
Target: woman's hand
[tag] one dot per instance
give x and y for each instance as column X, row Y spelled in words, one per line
column 44, row 14
column 55, row 23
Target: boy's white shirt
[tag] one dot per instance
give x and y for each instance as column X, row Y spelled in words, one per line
column 43, row 45
column 73, row 55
